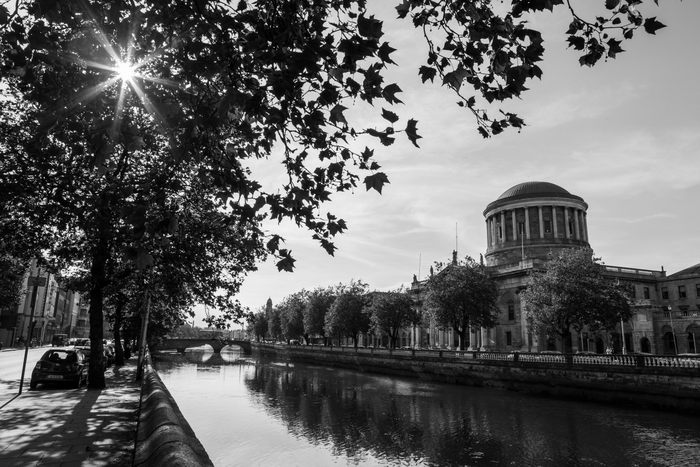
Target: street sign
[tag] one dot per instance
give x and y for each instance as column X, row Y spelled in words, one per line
column 35, row 281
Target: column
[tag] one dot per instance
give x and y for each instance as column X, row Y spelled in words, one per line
column 527, row 223
column 566, row 222
column 503, row 226
column 539, row 213
column 484, row 340
column 488, row 234
column 494, row 239
column 450, row 339
column 584, row 221
column 515, row 224
column 576, row 224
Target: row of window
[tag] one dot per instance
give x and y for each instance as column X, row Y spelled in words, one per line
column 682, row 292
column 546, row 224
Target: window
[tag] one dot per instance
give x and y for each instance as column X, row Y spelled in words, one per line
column 571, row 228
column 548, row 229
column 511, row 312
column 633, row 291
column 697, row 290
column 681, row 291
column 646, row 293
column 664, row 293
column 521, row 228
column 509, row 338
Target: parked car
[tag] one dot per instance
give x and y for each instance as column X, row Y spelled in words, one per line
column 82, row 343
column 88, row 354
column 110, row 353
column 60, row 366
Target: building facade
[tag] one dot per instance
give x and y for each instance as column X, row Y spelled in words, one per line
column 523, row 226
column 45, row 309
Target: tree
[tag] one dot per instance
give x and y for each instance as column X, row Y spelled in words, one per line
column 12, row 271
column 462, row 296
column 258, row 325
column 111, row 108
column 274, row 323
column 348, row 316
column 318, row 304
column 573, row 293
column 291, row 312
column 391, row 312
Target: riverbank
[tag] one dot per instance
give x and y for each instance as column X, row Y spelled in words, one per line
column 668, row 388
column 164, row 437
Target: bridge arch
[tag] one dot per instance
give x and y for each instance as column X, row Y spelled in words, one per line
column 217, row 344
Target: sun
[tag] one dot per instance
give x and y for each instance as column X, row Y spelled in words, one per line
column 124, row 71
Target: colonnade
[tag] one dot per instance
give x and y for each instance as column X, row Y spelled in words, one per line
column 575, row 225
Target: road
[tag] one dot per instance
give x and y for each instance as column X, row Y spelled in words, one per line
column 11, row 371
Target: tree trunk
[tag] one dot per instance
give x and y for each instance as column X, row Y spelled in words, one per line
column 96, row 377
column 119, row 351
column 462, row 338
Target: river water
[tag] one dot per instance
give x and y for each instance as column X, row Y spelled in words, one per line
column 254, row 411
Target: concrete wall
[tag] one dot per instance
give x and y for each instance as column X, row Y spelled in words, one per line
column 667, row 388
column 164, row 438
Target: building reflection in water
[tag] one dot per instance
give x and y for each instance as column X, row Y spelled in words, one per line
column 369, row 419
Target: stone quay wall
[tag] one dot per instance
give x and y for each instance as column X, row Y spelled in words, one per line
column 671, row 388
column 164, row 438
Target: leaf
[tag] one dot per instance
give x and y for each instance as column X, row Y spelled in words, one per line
column 287, row 262
column 390, row 116
column 411, row 132
column 651, row 25
column 384, row 51
column 455, row 78
column 376, row 181
column 614, row 48
column 389, row 93
column 427, row 73
column 611, row 4
column 337, row 114
column 369, row 27
column 403, row 9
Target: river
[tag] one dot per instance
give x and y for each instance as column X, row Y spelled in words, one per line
column 254, row 411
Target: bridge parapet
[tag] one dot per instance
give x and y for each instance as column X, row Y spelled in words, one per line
column 217, row 344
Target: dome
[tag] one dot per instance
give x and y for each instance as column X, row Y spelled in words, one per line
column 534, row 188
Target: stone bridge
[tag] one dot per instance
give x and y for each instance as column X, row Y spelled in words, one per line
column 217, row 344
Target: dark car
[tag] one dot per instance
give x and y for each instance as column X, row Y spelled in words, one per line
column 88, row 353
column 67, row 366
column 59, row 340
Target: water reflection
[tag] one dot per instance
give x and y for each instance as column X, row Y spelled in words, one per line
column 363, row 419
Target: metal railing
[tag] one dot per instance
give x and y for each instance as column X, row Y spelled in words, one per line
column 629, row 360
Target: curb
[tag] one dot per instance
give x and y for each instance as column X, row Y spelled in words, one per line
column 164, row 438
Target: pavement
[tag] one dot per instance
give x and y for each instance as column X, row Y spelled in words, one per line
column 61, row 427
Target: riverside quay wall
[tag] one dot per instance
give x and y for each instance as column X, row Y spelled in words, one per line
column 665, row 382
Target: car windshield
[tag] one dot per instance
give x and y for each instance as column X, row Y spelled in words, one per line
column 59, row 356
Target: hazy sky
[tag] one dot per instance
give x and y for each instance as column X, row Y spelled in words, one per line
column 623, row 135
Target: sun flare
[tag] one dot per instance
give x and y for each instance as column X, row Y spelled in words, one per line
column 125, row 71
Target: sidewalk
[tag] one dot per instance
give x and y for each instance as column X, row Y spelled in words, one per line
column 57, row 426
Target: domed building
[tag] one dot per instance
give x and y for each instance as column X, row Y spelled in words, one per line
column 525, row 224
column 532, row 218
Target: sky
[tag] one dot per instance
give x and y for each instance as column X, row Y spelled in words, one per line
column 623, row 135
